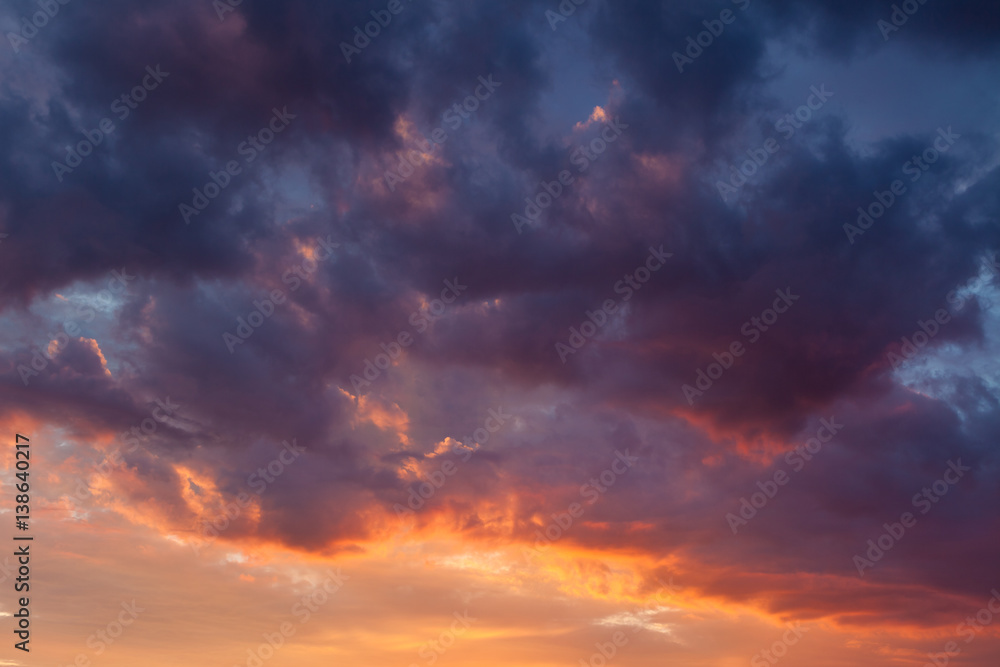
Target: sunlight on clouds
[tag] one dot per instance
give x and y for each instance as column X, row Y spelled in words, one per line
column 383, row 414
column 639, row 620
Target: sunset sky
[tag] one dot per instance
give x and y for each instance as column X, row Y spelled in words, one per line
column 399, row 333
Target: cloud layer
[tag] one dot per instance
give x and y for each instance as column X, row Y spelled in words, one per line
column 470, row 262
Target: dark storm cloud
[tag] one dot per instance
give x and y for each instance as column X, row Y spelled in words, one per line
column 655, row 186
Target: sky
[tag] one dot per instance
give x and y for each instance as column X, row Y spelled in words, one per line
column 401, row 333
